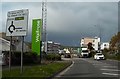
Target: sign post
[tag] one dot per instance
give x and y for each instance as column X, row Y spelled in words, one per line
column 17, row 23
column 10, row 53
column 22, row 54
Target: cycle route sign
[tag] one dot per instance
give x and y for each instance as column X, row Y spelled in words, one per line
column 17, row 23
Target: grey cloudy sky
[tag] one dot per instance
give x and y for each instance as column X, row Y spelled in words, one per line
column 72, row 21
column 68, row 22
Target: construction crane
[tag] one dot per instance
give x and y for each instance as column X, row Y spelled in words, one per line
column 44, row 24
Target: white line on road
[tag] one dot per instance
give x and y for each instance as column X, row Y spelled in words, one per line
column 111, row 66
column 110, row 69
column 110, row 74
column 113, row 60
column 101, row 64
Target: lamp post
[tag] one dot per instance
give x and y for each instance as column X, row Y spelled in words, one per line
column 99, row 43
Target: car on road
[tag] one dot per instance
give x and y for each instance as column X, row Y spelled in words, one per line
column 67, row 56
column 99, row 56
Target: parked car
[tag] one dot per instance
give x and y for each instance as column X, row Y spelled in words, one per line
column 99, row 56
column 67, row 56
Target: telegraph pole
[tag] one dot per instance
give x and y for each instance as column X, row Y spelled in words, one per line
column 44, row 24
column 99, row 36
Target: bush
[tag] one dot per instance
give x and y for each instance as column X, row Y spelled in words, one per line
column 106, row 50
column 28, row 57
column 91, row 54
column 58, row 57
column 53, row 57
column 112, row 55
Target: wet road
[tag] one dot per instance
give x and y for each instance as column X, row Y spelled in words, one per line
column 88, row 68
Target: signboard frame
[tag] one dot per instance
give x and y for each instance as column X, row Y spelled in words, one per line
column 17, row 22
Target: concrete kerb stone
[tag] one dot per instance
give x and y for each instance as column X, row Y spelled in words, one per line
column 55, row 74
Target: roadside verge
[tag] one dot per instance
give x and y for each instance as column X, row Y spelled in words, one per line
column 38, row 71
column 59, row 71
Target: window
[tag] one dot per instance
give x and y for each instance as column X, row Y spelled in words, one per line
column 84, row 50
column 105, row 45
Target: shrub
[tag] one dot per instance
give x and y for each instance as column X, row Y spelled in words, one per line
column 53, row 57
column 91, row 54
column 28, row 57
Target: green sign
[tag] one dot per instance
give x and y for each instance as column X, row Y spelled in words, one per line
column 36, row 35
column 19, row 18
column 79, row 50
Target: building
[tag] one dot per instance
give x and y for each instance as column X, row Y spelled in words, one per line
column 52, row 47
column 4, row 45
column 105, row 45
column 14, row 39
column 16, row 43
column 95, row 42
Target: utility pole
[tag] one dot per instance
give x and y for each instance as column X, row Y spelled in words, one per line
column 99, row 36
column 44, row 24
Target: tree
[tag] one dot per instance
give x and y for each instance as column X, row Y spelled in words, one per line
column 90, row 46
column 115, row 41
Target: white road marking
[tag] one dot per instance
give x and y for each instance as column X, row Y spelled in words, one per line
column 101, row 64
column 110, row 74
column 110, row 69
column 111, row 66
column 113, row 60
column 59, row 75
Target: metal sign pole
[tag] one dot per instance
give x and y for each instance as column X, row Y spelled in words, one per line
column 22, row 54
column 40, row 51
column 10, row 53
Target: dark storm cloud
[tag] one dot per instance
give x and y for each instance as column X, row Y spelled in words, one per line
column 68, row 22
column 82, row 19
column 119, row 16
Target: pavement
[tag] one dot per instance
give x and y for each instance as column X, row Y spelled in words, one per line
column 88, row 68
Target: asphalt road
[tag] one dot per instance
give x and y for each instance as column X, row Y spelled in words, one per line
column 88, row 68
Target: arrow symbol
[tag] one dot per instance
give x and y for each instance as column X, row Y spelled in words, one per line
column 11, row 31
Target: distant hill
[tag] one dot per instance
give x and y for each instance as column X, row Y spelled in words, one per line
column 74, row 47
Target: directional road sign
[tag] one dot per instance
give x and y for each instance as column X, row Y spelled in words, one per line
column 17, row 23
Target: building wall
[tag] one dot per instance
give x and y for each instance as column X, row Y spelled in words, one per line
column 105, row 45
column 25, row 47
column 85, row 41
column 3, row 35
column 95, row 41
column 4, row 45
column 16, row 45
column 52, row 47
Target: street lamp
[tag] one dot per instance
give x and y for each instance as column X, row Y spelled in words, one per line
column 99, row 36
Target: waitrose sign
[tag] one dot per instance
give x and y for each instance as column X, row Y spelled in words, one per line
column 36, row 35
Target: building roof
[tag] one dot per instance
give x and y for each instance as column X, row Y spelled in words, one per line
column 4, row 44
column 3, row 35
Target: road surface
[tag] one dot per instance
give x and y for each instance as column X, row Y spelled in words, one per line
column 88, row 68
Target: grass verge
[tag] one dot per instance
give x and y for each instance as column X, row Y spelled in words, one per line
column 33, row 72
column 114, row 57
